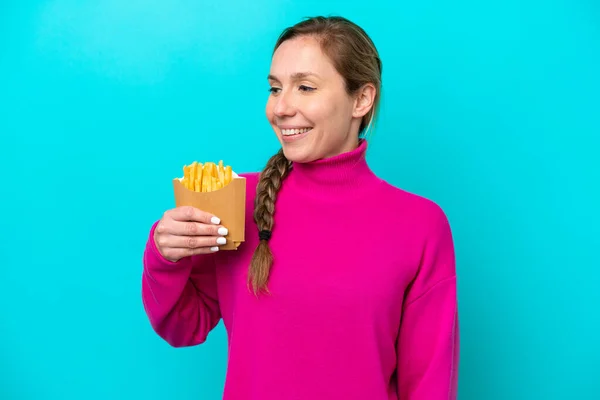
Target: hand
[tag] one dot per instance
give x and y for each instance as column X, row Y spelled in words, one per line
column 186, row 231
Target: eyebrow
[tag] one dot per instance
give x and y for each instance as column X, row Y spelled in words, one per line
column 295, row 76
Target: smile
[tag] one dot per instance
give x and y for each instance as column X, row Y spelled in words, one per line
column 292, row 132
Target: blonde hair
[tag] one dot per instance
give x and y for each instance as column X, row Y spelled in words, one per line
column 356, row 59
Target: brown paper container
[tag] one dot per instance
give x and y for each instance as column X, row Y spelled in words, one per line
column 228, row 204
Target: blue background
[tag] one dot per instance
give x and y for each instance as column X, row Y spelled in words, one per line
column 490, row 108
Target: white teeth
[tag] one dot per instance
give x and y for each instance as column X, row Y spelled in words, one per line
column 289, row 132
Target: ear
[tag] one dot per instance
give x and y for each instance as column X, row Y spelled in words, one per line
column 365, row 97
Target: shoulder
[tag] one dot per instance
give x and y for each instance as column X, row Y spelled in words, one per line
column 423, row 214
column 251, row 179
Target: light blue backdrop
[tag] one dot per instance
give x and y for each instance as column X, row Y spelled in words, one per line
column 490, row 108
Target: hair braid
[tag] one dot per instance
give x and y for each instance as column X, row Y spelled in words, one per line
column 269, row 183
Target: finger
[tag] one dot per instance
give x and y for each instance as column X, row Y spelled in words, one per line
column 179, row 228
column 175, row 254
column 189, row 213
column 190, row 242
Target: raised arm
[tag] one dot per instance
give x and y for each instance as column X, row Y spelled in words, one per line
column 178, row 282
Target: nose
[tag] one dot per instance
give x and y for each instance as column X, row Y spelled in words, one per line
column 284, row 106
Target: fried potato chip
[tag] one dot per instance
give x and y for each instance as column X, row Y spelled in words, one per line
column 206, row 177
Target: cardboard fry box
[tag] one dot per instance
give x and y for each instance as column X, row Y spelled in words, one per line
column 227, row 203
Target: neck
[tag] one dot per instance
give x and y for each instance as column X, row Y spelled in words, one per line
column 346, row 174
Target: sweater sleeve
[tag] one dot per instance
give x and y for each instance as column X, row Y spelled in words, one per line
column 428, row 344
column 179, row 298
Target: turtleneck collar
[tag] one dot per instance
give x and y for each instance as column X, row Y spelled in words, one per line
column 342, row 175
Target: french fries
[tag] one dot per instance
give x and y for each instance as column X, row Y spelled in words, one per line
column 206, row 177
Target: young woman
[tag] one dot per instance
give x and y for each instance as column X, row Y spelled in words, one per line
column 345, row 287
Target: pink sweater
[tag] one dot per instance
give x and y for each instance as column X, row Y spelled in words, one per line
column 363, row 301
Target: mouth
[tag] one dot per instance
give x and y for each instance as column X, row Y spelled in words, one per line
column 294, row 132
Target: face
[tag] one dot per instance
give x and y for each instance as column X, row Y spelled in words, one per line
column 308, row 107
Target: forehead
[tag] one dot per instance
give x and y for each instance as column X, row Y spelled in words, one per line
column 302, row 54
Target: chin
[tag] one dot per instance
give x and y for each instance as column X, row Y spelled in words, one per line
column 297, row 154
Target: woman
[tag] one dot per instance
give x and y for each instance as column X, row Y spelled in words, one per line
column 345, row 287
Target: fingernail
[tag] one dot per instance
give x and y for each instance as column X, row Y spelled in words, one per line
column 223, row 231
column 215, row 220
column 221, row 240
column 214, row 248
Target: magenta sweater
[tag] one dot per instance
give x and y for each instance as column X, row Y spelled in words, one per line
column 363, row 301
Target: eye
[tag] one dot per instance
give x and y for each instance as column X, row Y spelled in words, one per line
column 304, row 88
column 274, row 90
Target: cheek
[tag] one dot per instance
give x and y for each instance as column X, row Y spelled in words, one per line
column 333, row 118
column 269, row 110
column 318, row 112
